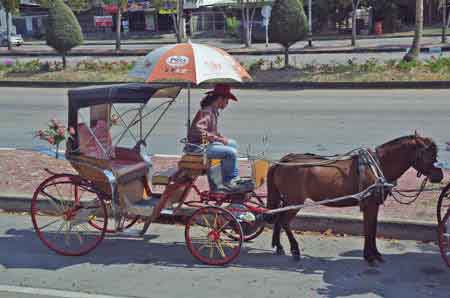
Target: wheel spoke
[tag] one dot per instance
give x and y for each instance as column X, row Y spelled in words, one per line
column 53, row 202
column 211, row 251
column 221, row 228
column 206, row 222
column 220, row 249
column 50, row 223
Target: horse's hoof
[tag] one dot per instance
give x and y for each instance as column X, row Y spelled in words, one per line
column 380, row 259
column 296, row 258
column 371, row 261
column 279, row 251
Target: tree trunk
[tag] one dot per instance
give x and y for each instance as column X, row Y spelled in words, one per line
column 243, row 32
column 181, row 22
column 247, row 27
column 286, row 57
column 64, row 60
column 8, row 30
column 355, row 7
column 118, row 26
column 444, row 21
column 178, row 22
column 415, row 48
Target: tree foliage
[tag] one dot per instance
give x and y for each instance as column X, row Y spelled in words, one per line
column 10, row 6
column 63, row 31
column 288, row 24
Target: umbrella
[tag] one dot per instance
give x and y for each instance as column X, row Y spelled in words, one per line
column 188, row 62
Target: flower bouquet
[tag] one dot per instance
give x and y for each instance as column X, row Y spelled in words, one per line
column 54, row 134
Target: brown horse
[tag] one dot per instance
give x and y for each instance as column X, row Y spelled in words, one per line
column 291, row 182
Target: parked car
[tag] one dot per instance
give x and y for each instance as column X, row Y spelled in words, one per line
column 15, row 39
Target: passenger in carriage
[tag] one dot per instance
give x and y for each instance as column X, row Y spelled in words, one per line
column 204, row 128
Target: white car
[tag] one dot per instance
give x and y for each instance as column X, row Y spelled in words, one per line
column 15, row 39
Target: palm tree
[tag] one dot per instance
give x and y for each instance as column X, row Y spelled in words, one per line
column 413, row 53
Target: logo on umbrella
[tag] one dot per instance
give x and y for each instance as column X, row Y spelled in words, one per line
column 177, row 61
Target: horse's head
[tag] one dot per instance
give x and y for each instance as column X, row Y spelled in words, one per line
column 425, row 157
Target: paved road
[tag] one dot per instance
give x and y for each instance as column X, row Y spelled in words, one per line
column 321, row 121
column 298, row 60
column 160, row 266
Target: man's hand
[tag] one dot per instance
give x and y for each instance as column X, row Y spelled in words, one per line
column 223, row 140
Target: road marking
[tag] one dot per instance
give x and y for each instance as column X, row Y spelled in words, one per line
column 52, row 292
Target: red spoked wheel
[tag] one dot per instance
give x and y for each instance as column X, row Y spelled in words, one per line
column 443, row 203
column 63, row 209
column 444, row 237
column 213, row 236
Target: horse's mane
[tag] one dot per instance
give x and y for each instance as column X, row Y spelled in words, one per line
column 405, row 140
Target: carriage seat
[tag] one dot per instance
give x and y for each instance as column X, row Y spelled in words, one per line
column 194, row 164
column 164, row 177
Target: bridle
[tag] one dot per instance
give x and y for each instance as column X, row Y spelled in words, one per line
column 419, row 156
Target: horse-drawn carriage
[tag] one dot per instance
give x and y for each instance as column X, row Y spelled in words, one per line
column 114, row 187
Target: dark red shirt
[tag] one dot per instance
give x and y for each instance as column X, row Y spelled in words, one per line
column 204, row 124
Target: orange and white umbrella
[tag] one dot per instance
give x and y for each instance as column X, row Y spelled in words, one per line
column 188, row 62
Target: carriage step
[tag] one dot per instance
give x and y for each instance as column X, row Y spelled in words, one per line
column 143, row 207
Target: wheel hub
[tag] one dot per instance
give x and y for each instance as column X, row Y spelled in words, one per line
column 214, row 235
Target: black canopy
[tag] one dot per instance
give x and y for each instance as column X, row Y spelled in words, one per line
column 124, row 93
column 121, row 93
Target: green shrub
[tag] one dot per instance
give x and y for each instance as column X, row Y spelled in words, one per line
column 407, row 66
column 63, row 29
column 232, row 26
column 287, row 25
column 441, row 64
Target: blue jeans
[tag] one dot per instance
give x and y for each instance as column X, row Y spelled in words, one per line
column 228, row 156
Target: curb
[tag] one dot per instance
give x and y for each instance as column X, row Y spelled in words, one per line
column 312, row 222
column 254, row 85
column 236, row 52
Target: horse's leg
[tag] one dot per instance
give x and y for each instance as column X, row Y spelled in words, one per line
column 374, row 224
column 295, row 250
column 371, row 252
column 276, row 243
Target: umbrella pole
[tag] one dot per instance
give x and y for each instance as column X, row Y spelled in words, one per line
column 189, row 109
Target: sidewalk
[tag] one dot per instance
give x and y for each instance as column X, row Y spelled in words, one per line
column 22, row 171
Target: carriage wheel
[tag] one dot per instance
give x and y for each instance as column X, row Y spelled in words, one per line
column 443, row 203
column 207, row 236
column 444, row 238
column 62, row 210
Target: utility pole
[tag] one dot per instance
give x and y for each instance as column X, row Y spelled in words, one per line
column 310, row 23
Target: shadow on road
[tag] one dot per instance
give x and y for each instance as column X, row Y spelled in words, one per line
column 343, row 275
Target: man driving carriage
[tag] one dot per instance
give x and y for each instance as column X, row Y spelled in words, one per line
column 204, row 131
